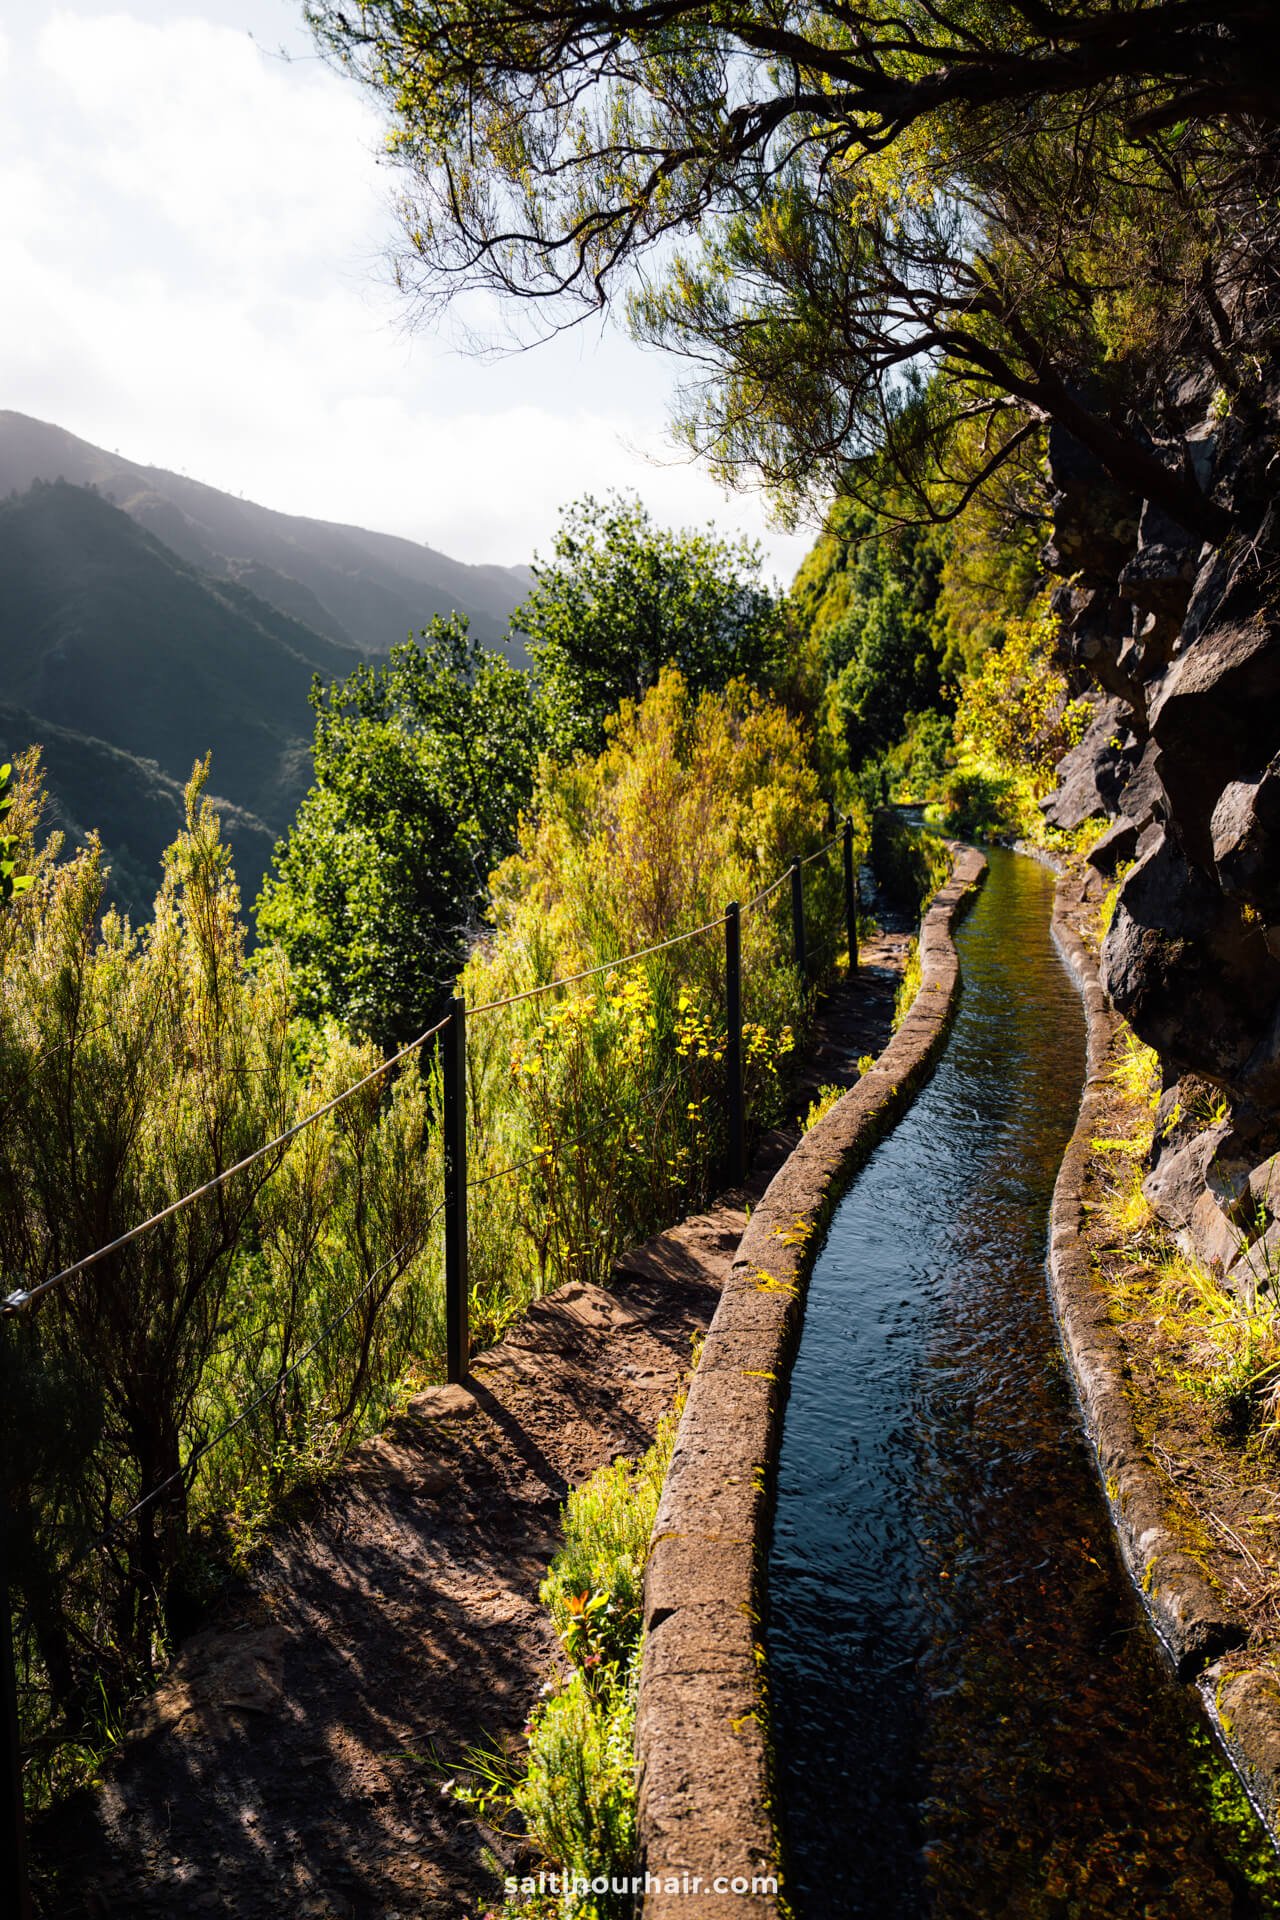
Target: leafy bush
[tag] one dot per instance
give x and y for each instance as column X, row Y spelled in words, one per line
column 607, row 1523
column 575, row 1794
column 578, row 1798
column 421, row 768
column 821, row 1105
column 908, row 986
column 1015, row 721
column 696, row 800
column 280, row 1311
column 622, row 599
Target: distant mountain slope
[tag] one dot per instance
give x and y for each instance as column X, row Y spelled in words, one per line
column 115, row 653
column 135, row 807
column 370, row 590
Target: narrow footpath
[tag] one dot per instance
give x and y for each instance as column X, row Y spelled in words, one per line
column 292, row 1760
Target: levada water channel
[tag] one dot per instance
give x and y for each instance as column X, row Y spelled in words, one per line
column 971, row 1714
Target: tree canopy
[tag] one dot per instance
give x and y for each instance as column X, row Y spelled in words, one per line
column 621, row 599
column 870, row 600
column 421, row 767
column 821, row 205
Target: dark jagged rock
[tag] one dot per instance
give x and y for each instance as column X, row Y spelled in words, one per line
column 1177, row 1181
column 1096, row 631
column 1245, row 832
column 1183, row 641
column 1215, row 717
column 1093, row 775
column 1117, row 847
column 1142, row 797
column 1192, row 978
column 1095, row 525
column 1159, row 578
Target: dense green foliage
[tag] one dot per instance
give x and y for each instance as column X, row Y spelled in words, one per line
column 1015, row 720
column 421, row 766
column 868, row 596
column 608, row 1096
column 283, row 1309
column 623, row 598
column 12, row 881
column 575, row 1794
column 901, row 617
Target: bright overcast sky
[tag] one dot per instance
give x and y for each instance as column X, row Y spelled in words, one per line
column 195, row 233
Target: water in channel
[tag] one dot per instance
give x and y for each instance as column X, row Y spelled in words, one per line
column 971, row 1716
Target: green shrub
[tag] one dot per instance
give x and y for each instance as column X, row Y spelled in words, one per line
column 610, row 1096
column 575, row 1794
column 908, row 986
column 822, row 1104
column 1015, row 721
column 607, row 1523
column 578, row 1797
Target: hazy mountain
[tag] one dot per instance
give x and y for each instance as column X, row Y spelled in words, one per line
column 135, row 807
column 127, row 664
column 369, row 590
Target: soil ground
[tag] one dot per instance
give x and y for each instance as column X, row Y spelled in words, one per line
column 292, row 1762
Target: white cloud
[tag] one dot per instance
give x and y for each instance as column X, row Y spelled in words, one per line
column 192, row 233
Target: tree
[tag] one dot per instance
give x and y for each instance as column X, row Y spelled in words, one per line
column 133, row 1067
column 421, row 769
column 868, row 594
column 821, row 205
column 622, row 599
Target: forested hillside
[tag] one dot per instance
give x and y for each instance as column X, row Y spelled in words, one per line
column 135, row 665
column 146, row 620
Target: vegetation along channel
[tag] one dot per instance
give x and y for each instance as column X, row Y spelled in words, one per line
column 1005, row 1736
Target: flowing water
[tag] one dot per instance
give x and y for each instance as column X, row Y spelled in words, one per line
column 971, row 1714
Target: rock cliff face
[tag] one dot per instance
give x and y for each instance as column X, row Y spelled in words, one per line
column 1182, row 641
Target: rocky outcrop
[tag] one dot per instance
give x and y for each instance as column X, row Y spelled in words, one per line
column 1181, row 640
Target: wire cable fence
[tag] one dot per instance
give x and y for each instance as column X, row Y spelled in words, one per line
column 609, row 1156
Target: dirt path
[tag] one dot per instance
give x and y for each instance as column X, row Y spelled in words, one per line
column 288, row 1764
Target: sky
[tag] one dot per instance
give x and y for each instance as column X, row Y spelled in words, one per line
column 196, row 230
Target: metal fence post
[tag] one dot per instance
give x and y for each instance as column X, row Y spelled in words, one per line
column 797, row 918
column 733, row 1042
column 15, row 1896
column 457, row 1340
column 850, row 895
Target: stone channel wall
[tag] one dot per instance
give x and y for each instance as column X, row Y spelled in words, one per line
column 702, row 1732
column 1190, row 1614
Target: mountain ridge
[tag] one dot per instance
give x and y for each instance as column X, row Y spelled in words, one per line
column 128, row 665
column 370, row 589
column 147, row 619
